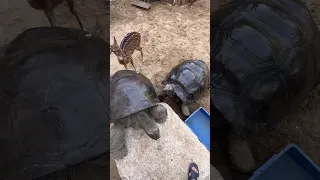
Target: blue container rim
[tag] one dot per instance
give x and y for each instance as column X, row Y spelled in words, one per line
column 199, row 109
column 278, row 155
column 186, row 122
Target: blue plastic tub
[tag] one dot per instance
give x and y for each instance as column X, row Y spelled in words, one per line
column 199, row 123
column 291, row 163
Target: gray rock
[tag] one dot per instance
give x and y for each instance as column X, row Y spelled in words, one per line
column 167, row 157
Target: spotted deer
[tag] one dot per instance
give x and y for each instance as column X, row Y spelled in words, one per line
column 128, row 45
column 48, row 5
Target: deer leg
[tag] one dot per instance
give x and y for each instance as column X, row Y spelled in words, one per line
column 51, row 18
column 140, row 49
column 125, row 66
column 131, row 61
column 74, row 12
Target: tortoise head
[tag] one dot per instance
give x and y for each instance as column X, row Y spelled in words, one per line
column 116, row 49
column 169, row 90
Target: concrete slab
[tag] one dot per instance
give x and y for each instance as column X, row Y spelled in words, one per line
column 166, row 158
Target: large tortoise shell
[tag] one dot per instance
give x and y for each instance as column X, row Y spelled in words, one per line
column 130, row 92
column 190, row 79
column 265, row 60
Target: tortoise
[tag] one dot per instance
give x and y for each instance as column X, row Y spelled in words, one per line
column 52, row 97
column 265, row 61
column 186, row 81
column 133, row 103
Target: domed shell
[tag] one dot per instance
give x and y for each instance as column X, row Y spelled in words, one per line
column 53, row 100
column 265, row 60
column 190, row 79
column 130, row 92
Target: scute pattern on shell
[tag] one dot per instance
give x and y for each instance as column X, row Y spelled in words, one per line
column 130, row 92
column 190, row 79
column 265, row 60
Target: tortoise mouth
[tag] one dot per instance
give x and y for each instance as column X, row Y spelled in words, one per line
column 169, row 93
column 169, row 90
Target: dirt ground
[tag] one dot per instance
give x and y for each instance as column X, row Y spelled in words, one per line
column 301, row 127
column 169, row 34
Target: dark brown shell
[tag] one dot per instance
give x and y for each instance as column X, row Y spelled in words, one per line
column 190, row 79
column 265, row 60
column 130, row 92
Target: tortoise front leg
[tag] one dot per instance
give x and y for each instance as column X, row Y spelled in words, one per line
column 159, row 113
column 239, row 153
column 185, row 110
column 51, row 18
column 148, row 124
column 118, row 148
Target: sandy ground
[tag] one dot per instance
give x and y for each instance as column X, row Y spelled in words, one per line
column 169, row 34
column 301, row 127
